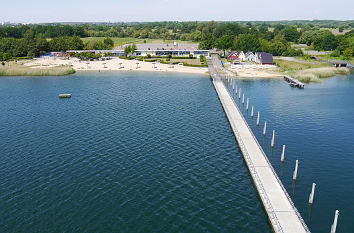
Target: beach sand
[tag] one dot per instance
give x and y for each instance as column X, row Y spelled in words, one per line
column 254, row 71
column 114, row 64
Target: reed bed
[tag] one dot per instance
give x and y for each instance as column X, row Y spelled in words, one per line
column 28, row 71
column 315, row 74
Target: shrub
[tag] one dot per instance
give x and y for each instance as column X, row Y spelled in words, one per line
column 191, row 56
column 335, row 53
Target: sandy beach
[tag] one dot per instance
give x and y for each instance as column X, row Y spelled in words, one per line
column 113, row 65
column 254, row 71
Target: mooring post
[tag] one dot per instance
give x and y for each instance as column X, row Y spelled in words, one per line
column 265, row 128
column 312, row 194
column 248, row 100
column 295, row 171
column 252, row 112
column 243, row 98
column 236, row 90
column 272, row 143
column 239, row 93
column 258, row 119
column 282, row 154
column 334, row 225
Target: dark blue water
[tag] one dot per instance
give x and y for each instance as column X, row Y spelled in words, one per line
column 136, row 152
column 317, row 126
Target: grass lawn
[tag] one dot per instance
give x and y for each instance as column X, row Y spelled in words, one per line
column 297, row 65
column 127, row 40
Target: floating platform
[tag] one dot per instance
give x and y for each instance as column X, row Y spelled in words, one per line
column 64, row 95
column 294, row 82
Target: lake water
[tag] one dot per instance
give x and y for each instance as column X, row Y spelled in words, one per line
column 317, row 126
column 153, row 152
column 129, row 152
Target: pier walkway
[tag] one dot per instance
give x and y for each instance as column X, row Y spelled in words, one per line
column 279, row 207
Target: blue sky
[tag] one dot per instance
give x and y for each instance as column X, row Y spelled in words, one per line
column 36, row 11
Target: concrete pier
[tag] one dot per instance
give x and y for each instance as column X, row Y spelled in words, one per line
column 279, row 207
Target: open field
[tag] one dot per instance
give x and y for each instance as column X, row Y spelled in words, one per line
column 127, row 40
column 13, row 69
column 335, row 31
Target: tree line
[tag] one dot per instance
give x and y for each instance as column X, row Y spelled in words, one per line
column 272, row 37
column 31, row 46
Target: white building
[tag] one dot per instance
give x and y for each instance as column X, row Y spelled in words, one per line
column 176, row 50
column 249, row 56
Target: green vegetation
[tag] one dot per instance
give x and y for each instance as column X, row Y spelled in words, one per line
column 17, row 70
column 285, row 65
column 315, row 74
column 129, row 50
column 308, row 71
column 273, row 37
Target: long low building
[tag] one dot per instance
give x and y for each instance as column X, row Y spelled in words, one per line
column 176, row 50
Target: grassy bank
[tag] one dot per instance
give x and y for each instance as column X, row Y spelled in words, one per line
column 28, row 71
column 309, row 71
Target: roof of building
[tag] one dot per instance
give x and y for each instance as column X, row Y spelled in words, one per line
column 266, row 57
column 182, row 47
column 249, row 53
column 239, row 52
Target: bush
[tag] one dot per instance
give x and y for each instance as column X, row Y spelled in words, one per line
column 348, row 53
column 149, row 55
column 202, row 58
column 191, row 56
column 335, row 53
column 291, row 52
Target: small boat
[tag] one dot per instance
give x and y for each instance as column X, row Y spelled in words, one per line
column 64, row 95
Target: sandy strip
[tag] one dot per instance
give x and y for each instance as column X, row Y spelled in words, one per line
column 254, row 71
column 115, row 64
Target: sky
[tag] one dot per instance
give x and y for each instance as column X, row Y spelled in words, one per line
column 42, row 11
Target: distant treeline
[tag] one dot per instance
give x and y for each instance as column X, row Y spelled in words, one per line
column 273, row 37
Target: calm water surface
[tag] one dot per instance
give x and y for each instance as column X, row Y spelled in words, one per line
column 317, row 126
column 147, row 152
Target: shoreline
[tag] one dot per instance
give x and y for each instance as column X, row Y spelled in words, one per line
column 115, row 64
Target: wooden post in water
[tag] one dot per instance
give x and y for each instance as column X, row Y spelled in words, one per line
column 258, row 119
column 272, row 143
column 236, row 90
column 265, row 128
column 312, row 194
column 334, row 225
column 239, row 94
column 243, row 98
column 248, row 100
column 252, row 112
column 295, row 171
column 282, row 154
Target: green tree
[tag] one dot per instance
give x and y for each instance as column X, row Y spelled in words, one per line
column 247, row 42
column 348, row 53
column 325, row 41
column 224, row 43
column 290, row 33
column 108, row 42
